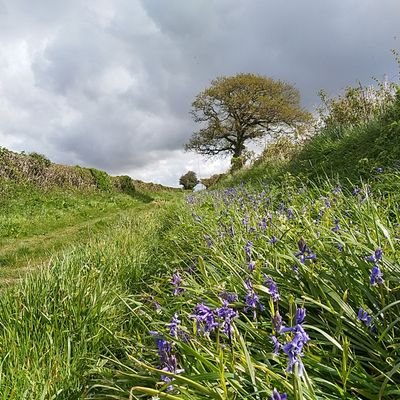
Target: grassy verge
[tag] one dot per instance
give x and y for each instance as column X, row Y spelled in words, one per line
column 36, row 224
column 57, row 323
column 290, row 287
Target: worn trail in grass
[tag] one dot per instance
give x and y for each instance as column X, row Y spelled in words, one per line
column 19, row 256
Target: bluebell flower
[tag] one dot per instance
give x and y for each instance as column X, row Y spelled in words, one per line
column 227, row 315
column 247, row 249
column 376, row 276
column 294, row 350
column 364, row 317
column 174, row 326
column 304, row 252
column 251, row 266
column 229, row 297
column 379, row 170
column 168, row 360
column 327, row 203
column 278, row 396
column 277, row 322
column 176, row 281
column 276, row 343
column 272, row 288
column 263, row 223
column 205, row 318
column 376, row 257
column 273, row 239
column 300, row 315
column 336, row 228
column 252, row 300
column 289, row 213
column 208, row 240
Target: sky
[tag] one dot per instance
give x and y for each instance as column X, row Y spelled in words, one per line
column 109, row 83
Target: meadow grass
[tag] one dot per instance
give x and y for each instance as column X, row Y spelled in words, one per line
column 58, row 321
column 241, row 259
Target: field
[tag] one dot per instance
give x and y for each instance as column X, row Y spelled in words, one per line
column 280, row 283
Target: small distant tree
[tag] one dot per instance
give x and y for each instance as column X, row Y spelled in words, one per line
column 237, row 109
column 189, row 180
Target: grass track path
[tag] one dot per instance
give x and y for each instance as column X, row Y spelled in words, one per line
column 19, row 256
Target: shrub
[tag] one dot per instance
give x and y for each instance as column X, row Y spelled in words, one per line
column 102, row 179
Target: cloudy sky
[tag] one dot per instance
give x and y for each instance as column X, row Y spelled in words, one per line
column 109, row 83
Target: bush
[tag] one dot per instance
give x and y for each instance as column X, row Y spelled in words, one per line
column 189, row 180
column 102, row 180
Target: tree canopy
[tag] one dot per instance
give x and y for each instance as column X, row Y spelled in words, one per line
column 189, row 180
column 240, row 108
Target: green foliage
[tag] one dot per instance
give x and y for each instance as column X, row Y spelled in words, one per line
column 240, row 108
column 189, row 180
column 102, row 179
column 357, row 106
column 344, row 359
column 124, row 183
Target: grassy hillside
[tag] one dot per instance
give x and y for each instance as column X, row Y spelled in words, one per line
column 341, row 150
column 47, row 207
column 284, row 285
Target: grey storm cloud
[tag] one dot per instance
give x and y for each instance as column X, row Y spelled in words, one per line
column 109, row 83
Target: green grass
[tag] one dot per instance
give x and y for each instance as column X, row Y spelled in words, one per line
column 36, row 224
column 343, row 360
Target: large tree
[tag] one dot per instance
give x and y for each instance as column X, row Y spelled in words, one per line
column 240, row 108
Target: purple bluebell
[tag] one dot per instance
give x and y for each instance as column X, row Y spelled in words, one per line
column 278, row 396
column 273, row 239
column 252, row 300
column 277, row 322
column 229, row 297
column 251, row 266
column 227, row 315
column 263, row 223
column 294, row 350
column 247, row 249
column 336, row 228
column 304, row 252
column 300, row 315
column 364, row 317
column 174, row 326
column 168, row 360
column 337, row 190
column 379, row 170
column 276, row 343
column 205, row 318
column 289, row 213
column 176, row 281
column 376, row 276
column 272, row 288
column 376, row 257
column 327, row 203
column 356, row 191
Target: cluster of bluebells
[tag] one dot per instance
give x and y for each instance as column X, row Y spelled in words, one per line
column 168, row 361
column 252, row 300
column 176, row 281
column 376, row 276
column 294, row 348
column 272, row 288
column 207, row 320
column 304, row 252
column 278, row 396
column 364, row 317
